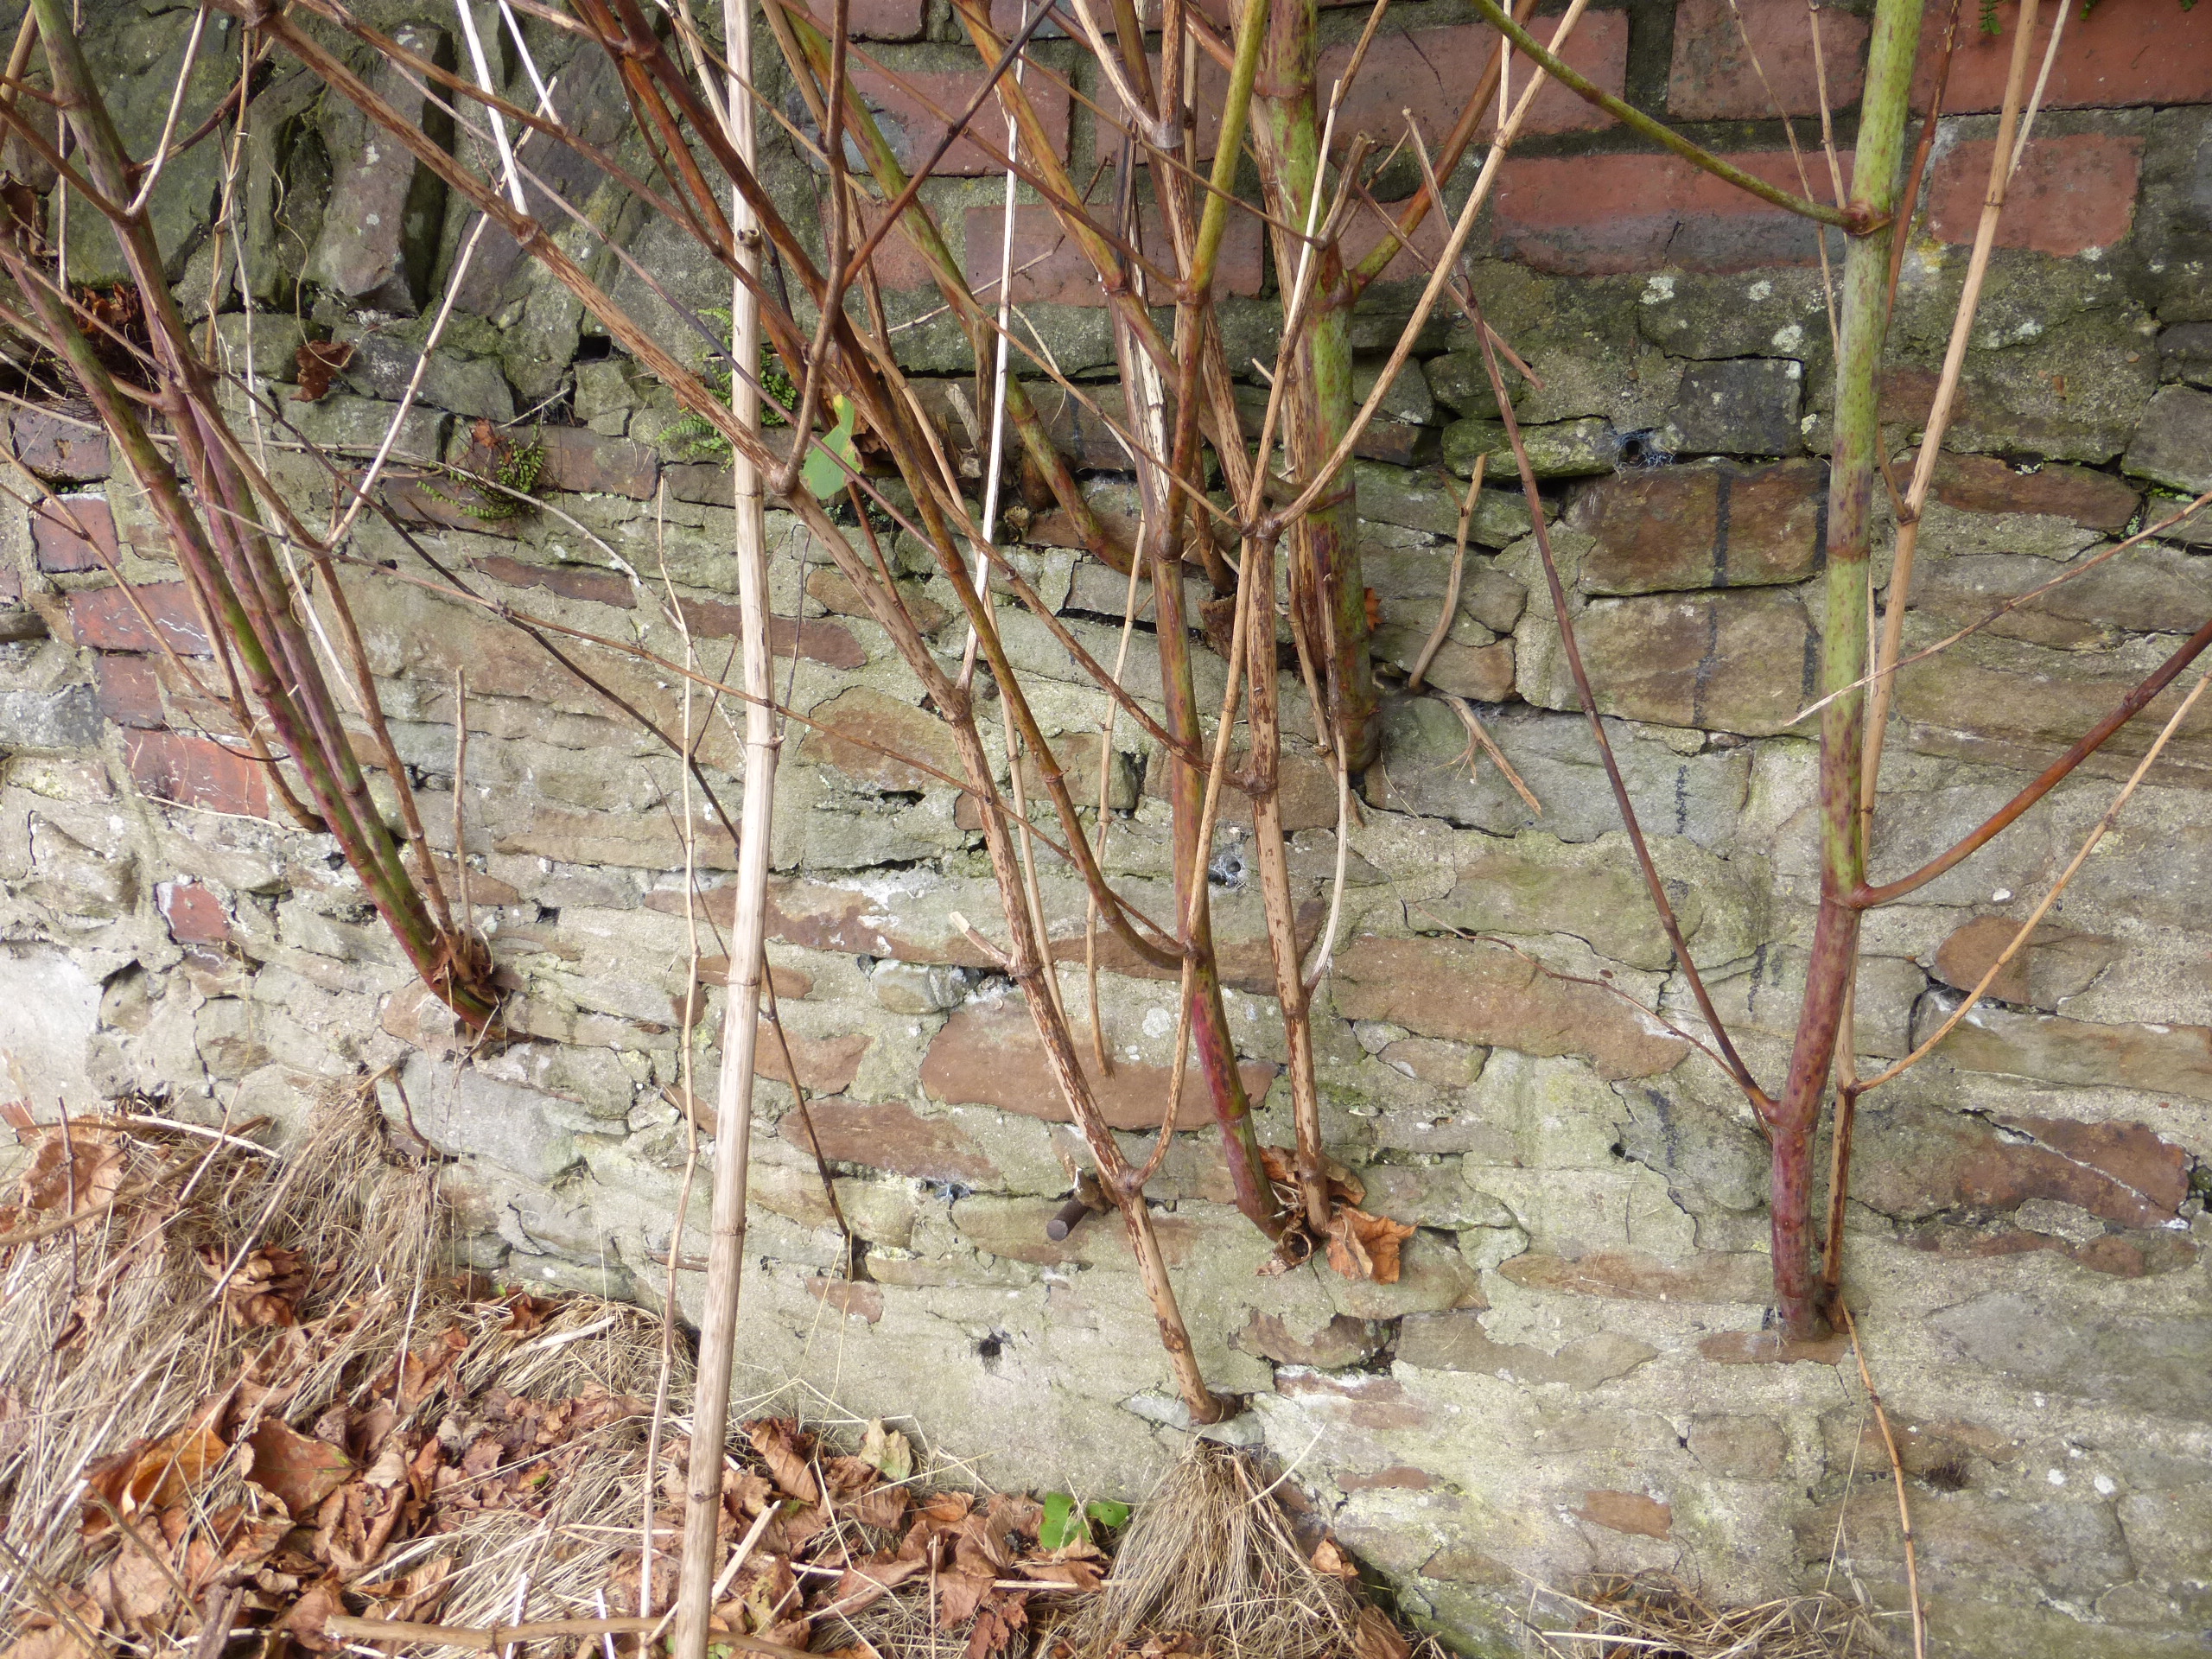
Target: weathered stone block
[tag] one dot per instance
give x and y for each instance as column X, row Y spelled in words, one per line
column 989, row 1054
column 1709, row 526
column 1482, row 994
column 2173, row 445
column 1740, row 406
column 1457, row 1341
column 1425, row 501
column 380, row 230
column 66, row 718
column 1735, row 662
column 1566, row 449
column 383, row 363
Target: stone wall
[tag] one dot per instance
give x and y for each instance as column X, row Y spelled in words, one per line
column 1567, row 1378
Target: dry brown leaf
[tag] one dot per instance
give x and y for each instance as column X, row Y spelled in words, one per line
column 887, row 1450
column 746, row 1492
column 303, row 1621
column 303, row 1473
column 1361, row 1246
column 76, row 1160
column 1076, row 1574
column 958, row 1595
column 317, row 361
column 152, row 1477
column 866, row 1582
column 882, row 1506
column 776, row 1441
column 997, row 1625
column 1375, row 1637
column 1327, row 1558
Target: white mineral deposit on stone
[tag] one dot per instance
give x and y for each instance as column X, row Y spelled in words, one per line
column 2001, row 896
column 1158, row 1022
column 2104, row 1485
column 2057, row 1476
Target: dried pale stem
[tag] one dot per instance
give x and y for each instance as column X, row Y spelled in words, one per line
column 748, row 930
column 1448, row 612
column 1898, row 596
column 1897, row 1479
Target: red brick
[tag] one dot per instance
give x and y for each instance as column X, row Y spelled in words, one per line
column 1591, row 215
column 1050, row 267
column 830, row 644
column 1431, row 71
column 194, row 914
column 1714, row 77
column 192, row 770
column 1363, row 230
column 70, row 532
column 569, row 580
column 2069, row 194
column 899, row 263
column 59, row 448
column 873, row 20
column 130, row 690
column 106, row 620
column 922, row 105
column 2124, row 52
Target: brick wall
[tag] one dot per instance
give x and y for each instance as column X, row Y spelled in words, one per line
column 1570, row 1375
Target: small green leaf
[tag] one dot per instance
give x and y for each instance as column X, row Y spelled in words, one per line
column 1062, row 1525
column 1108, row 1514
column 822, row 475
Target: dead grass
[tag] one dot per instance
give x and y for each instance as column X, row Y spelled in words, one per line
column 1656, row 1616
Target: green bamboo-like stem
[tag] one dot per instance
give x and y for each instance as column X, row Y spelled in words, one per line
column 1858, row 218
column 231, row 559
column 1794, row 1116
column 1327, row 595
column 1325, row 585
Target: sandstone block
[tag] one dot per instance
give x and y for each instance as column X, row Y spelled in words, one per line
column 1475, row 993
column 1706, row 526
column 892, row 1136
column 1739, row 406
column 2173, row 445
column 990, row 1055
column 1737, row 662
